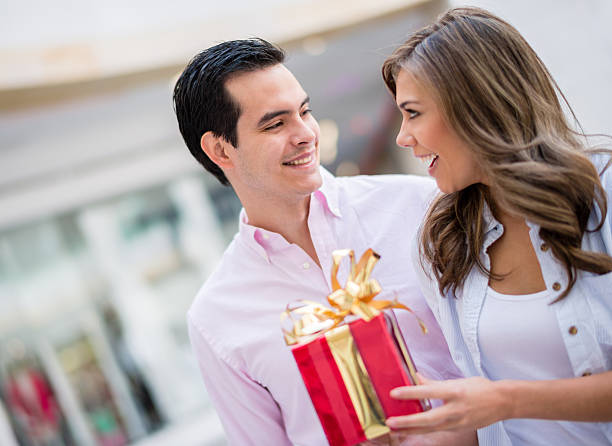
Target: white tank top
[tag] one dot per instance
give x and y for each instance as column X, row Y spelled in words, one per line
column 519, row 338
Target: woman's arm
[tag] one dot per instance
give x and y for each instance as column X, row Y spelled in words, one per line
column 478, row 402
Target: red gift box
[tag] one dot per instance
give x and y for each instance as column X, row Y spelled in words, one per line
column 349, row 372
column 350, row 368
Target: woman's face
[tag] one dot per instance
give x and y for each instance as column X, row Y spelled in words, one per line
column 449, row 159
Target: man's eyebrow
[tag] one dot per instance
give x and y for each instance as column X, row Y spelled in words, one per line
column 273, row 114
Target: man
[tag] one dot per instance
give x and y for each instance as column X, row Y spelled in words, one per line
column 248, row 121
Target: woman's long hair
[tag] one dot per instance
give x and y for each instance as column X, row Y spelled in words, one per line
column 497, row 95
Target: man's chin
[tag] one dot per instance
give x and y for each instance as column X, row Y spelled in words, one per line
column 317, row 179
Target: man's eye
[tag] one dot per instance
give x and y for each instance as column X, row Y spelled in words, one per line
column 306, row 111
column 275, row 125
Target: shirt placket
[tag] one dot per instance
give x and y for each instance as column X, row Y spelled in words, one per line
column 567, row 314
column 474, row 300
column 297, row 268
column 321, row 226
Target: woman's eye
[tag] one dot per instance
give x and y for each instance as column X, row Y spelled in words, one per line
column 306, row 111
column 412, row 113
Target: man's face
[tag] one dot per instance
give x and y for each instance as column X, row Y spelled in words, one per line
column 277, row 157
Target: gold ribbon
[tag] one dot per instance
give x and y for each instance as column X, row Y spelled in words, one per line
column 356, row 298
column 357, row 381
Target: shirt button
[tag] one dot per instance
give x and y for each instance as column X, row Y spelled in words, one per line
column 266, row 236
column 306, row 265
column 544, row 247
column 587, row 374
column 572, row 330
column 556, row 286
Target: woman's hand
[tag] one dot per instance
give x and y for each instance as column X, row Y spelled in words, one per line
column 469, row 403
column 400, row 438
column 391, row 439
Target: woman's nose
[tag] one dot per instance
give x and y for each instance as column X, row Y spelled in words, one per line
column 405, row 139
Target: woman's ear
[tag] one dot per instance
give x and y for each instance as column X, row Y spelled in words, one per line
column 216, row 149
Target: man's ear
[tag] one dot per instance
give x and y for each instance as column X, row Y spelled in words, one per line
column 217, row 149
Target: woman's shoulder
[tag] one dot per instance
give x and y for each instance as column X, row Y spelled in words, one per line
column 601, row 240
column 602, row 160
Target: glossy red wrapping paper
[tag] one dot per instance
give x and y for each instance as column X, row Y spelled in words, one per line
column 387, row 366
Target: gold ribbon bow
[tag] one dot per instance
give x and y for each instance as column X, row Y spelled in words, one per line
column 356, row 298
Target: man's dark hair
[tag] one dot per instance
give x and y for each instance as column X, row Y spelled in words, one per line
column 201, row 101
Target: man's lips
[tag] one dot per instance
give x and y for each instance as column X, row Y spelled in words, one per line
column 302, row 159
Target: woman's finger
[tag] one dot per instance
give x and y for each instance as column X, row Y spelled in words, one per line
column 434, row 419
column 419, row 392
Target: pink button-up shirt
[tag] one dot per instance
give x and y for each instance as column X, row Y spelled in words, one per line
column 234, row 324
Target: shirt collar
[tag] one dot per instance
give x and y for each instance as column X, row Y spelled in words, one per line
column 491, row 222
column 327, row 194
column 252, row 235
column 264, row 242
column 493, row 228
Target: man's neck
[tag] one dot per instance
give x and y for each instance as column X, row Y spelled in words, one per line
column 287, row 219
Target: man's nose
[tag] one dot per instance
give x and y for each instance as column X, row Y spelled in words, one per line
column 304, row 134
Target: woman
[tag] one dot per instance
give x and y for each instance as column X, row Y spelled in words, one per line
column 514, row 255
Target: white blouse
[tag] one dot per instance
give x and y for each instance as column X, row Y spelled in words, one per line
column 519, row 338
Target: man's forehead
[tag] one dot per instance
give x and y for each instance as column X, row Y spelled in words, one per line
column 264, row 90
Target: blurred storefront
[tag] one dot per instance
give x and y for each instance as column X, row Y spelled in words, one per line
column 93, row 342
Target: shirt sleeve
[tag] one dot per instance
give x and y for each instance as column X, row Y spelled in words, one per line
column 249, row 414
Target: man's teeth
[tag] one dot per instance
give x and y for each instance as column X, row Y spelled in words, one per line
column 300, row 161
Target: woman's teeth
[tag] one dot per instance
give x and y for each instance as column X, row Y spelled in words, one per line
column 300, row 161
column 428, row 159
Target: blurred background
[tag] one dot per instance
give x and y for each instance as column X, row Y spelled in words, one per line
column 107, row 225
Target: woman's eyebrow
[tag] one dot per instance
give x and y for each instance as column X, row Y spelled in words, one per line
column 403, row 104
